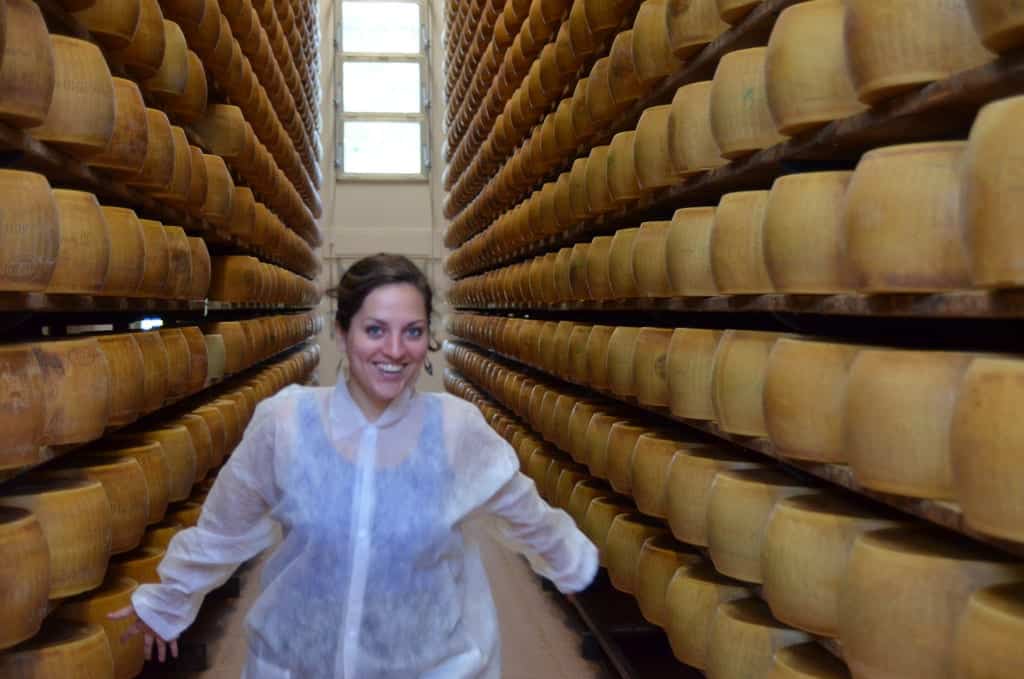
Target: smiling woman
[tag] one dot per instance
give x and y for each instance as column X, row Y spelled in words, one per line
column 374, row 484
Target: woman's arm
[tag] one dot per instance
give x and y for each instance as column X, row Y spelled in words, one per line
column 234, row 527
column 494, row 487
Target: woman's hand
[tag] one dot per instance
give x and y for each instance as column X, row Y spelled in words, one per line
column 139, row 627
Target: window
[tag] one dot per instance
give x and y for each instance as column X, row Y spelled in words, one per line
column 381, row 90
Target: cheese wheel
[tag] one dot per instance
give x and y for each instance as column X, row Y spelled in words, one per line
column 983, row 442
column 579, row 422
column 805, row 398
column 918, row 245
column 126, row 151
column 84, row 257
column 692, row 24
column 235, row 278
column 903, row 592
column 564, row 404
column 198, row 358
column 599, row 197
column 689, row 368
column 179, row 362
column 999, row 24
column 93, row 608
column 158, row 167
column 737, row 384
column 597, row 356
column 555, row 471
column 568, row 479
column 76, row 519
column 649, row 469
column 622, row 77
column 80, row 118
column 190, row 105
column 24, row 576
column 176, row 191
column 578, row 339
column 139, row 565
column 651, row 153
column 808, row 80
column 650, row 265
column 688, row 252
column 990, row 204
column 172, row 75
column 988, row 634
column 127, row 252
column 23, row 415
column 620, row 264
column 899, row 409
column 652, row 51
column 127, row 492
column 180, row 454
column 650, row 366
column 215, row 424
column 202, row 441
column 578, row 199
column 804, row 592
column 626, row 537
column 219, row 193
column 895, row 48
column 692, row 144
column 802, row 232
column 741, row 121
column 127, row 377
column 582, row 495
column 156, row 367
column 737, row 244
column 659, row 559
column 186, row 513
column 150, row 457
column 597, row 269
column 144, row 54
column 739, row 506
column 744, row 638
column 198, row 183
column 155, row 277
column 29, row 231
column 806, row 661
column 62, row 649
column 623, row 183
column 617, row 463
column 77, row 386
column 201, row 268
column 621, row 361
column 546, row 346
column 236, row 345
column 161, row 534
column 601, row 107
column 232, row 424
column 693, row 595
column 691, row 474
column 26, row 66
column 577, row 290
column 598, row 519
column 734, row 11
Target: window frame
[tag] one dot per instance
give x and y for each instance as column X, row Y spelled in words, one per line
column 423, row 117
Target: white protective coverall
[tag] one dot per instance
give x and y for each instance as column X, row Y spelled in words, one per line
column 374, row 577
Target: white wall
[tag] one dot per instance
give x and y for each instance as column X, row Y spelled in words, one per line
column 362, row 218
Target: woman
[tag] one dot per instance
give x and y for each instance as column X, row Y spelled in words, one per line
column 372, row 484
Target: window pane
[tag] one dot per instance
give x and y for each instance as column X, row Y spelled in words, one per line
column 378, row 87
column 380, row 27
column 382, row 147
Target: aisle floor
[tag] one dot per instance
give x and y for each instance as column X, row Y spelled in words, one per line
column 540, row 633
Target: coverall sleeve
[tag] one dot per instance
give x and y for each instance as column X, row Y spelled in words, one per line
column 234, row 527
column 548, row 537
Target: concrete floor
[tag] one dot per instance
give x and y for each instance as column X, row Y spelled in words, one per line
column 540, row 632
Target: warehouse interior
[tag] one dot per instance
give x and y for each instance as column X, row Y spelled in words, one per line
column 735, row 285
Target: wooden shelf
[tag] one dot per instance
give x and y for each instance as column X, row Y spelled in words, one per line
column 977, row 304
column 942, row 513
column 50, row 453
column 942, row 110
column 42, row 303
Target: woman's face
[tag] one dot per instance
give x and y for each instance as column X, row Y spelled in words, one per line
column 386, row 344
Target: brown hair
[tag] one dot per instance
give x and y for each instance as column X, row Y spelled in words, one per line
column 372, row 272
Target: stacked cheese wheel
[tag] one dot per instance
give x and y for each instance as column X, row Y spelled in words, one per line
column 716, row 545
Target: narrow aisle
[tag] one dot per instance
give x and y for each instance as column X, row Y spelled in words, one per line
column 540, row 636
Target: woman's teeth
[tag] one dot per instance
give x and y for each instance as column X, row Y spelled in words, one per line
column 390, row 368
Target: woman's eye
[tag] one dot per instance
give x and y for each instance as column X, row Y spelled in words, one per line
column 416, row 332
column 374, row 331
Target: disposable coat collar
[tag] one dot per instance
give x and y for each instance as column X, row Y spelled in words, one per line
column 347, row 418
